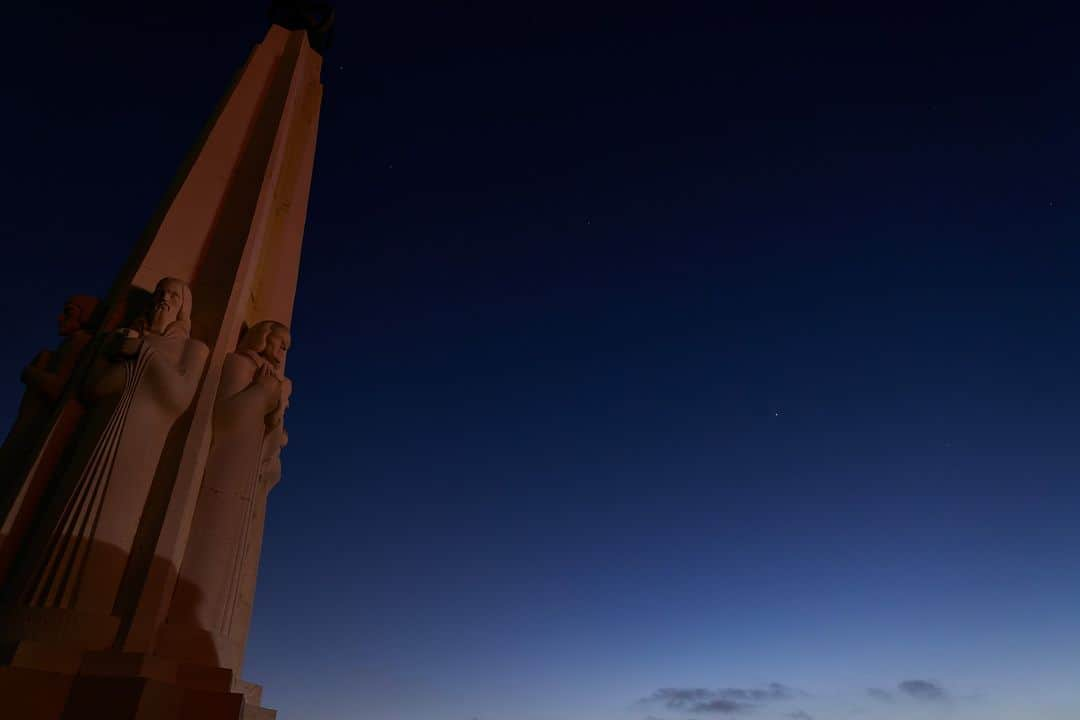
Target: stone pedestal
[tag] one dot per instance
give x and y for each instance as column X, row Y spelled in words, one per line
column 123, row 686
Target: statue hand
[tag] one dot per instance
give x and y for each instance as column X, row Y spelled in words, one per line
column 127, row 342
column 265, row 377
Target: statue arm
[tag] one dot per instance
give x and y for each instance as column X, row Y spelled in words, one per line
column 32, row 372
column 51, row 383
column 41, row 380
column 175, row 383
column 124, row 343
column 104, row 379
column 278, row 416
column 241, row 390
column 106, row 376
column 254, row 399
column 270, row 467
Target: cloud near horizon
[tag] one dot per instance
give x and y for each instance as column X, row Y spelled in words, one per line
column 924, row 690
column 725, row 701
column 921, row 690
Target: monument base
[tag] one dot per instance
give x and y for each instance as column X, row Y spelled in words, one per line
column 253, row 709
column 107, row 685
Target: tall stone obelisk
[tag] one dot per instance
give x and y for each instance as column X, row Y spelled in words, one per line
column 133, row 487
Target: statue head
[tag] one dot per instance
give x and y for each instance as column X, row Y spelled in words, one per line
column 170, row 309
column 78, row 309
column 270, row 340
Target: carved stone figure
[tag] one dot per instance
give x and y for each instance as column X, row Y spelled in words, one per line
column 216, row 585
column 143, row 381
column 46, row 376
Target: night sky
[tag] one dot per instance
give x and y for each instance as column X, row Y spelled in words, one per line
column 650, row 362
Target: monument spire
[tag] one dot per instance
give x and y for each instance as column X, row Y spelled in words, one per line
column 133, row 496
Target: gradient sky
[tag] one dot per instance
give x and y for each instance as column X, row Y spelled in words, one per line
column 655, row 362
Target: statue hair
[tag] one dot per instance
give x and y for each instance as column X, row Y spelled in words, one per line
column 257, row 335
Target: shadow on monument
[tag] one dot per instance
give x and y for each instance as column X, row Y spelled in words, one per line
column 60, row 663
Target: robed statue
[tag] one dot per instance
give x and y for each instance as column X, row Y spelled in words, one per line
column 216, row 585
column 142, row 382
column 45, row 378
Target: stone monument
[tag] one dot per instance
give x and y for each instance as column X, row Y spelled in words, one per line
column 134, row 482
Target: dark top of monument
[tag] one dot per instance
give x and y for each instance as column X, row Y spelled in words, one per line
column 315, row 17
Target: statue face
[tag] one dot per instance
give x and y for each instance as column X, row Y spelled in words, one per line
column 277, row 345
column 69, row 321
column 168, row 297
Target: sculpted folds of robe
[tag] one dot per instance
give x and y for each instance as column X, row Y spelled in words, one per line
column 138, row 390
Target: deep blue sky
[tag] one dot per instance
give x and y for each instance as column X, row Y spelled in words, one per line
column 638, row 351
